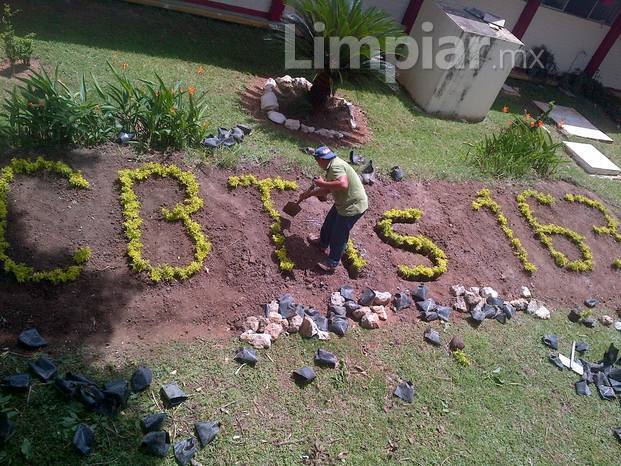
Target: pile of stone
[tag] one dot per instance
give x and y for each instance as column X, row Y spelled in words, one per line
column 284, row 317
column 485, row 303
column 297, row 86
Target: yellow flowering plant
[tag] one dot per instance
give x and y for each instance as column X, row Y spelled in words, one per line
column 22, row 272
column 417, row 244
column 180, row 213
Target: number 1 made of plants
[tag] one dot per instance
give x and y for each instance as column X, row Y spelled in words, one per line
column 180, row 213
column 22, row 272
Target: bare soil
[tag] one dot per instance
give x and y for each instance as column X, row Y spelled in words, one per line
column 110, row 303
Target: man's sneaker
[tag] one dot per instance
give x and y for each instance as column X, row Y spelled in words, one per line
column 326, row 267
column 316, row 242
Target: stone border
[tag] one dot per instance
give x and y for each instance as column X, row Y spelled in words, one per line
column 270, row 105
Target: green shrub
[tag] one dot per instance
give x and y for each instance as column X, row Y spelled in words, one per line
column 42, row 111
column 514, row 152
column 160, row 116
column 592, row 89
column 15, row 48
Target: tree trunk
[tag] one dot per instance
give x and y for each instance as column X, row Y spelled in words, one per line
column 321, row 90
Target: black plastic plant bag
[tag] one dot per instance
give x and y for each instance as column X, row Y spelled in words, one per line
column 582, row 347
column 7, row 428
column 347, row 292
column 338, row 326
column 206, row 432
column 31, row 339
column 551, row 341
column 153, row 422
column 119, row 390
column 402, row 301
column 501, row 317
column 420, row 293
column 396, row 173
column 172, row 395
column 495, row 301
column 351, row 306
column 322, row 322
column 312, row 312
column 83, row 439
column 611, row 356
column 508, row 310
column 574, row 316
column 617, row 432
column 429, row 316
column 44, row 368
column 427, row 305
column 185, row 451
column 582, row 388
column 18, row 382
column 489, row 311
column 337, row 311
column 477, row 315
column 606, row 392
column 405, row 391
column 433, row 337
column 156, row 443
column 70, row 384
column 304, row 376
column 367, row 297
column 554, row 359
column 355, row 158
column 324, row 358
column 246, row 356
column 591, row 303
column 141, row 379
column 444, row 313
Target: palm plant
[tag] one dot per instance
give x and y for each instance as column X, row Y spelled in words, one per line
column 341, row 19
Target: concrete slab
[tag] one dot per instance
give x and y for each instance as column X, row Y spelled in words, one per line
column 512, row 91
column 573, row 123
column 591, row 159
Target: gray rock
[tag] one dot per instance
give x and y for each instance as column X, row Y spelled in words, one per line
column 459, row 304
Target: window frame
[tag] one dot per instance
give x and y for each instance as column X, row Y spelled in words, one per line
column 607, row 22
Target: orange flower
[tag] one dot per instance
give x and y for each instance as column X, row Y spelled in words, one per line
column 191, row 90
column 540, row 123
column 200, row 70
column 505, row 109
column 532, row 124
column 124, row 65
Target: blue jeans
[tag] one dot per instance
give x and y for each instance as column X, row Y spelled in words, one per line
column 335, row 233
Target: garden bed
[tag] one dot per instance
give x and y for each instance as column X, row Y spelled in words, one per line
column 109, row 302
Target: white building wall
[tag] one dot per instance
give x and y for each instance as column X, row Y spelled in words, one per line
column 572, row 40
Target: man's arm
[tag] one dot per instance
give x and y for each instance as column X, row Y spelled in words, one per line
column 340, row 184
column 316, row 192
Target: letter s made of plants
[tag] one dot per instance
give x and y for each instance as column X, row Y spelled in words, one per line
column 180, row 213
column 417, row 244
column 22, row 272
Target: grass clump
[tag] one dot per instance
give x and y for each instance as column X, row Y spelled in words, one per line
column 521, row 148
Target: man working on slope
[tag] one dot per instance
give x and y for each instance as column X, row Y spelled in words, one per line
column 350, row 204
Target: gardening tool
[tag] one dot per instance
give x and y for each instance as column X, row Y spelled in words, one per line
column 292, row 208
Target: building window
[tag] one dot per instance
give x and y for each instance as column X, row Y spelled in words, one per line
column 603, row 11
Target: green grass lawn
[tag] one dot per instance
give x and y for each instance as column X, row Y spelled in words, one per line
column 510, row 407
column 81, row 36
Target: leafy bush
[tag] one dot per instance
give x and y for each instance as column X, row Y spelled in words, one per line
column 15, row 48
column 523, row 147
column 159, row 116
column 42, row 111
column 592, row 89
column 342, row 18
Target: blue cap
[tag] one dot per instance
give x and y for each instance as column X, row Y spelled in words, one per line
column 324, row 153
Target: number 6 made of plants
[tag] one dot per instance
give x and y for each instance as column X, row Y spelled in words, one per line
column 417, row 244
column 180, row 213
column 545, row 232
column 22, row 272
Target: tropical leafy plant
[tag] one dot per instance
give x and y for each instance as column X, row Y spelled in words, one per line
column 42, row 111
column 160, row 116
column 341, row 19
column 514, row 152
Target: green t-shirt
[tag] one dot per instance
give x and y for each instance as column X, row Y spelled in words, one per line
column 352, row 201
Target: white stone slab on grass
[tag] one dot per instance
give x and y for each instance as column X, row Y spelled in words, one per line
column 573, row 123
column 591, row 159
column 512, row 91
